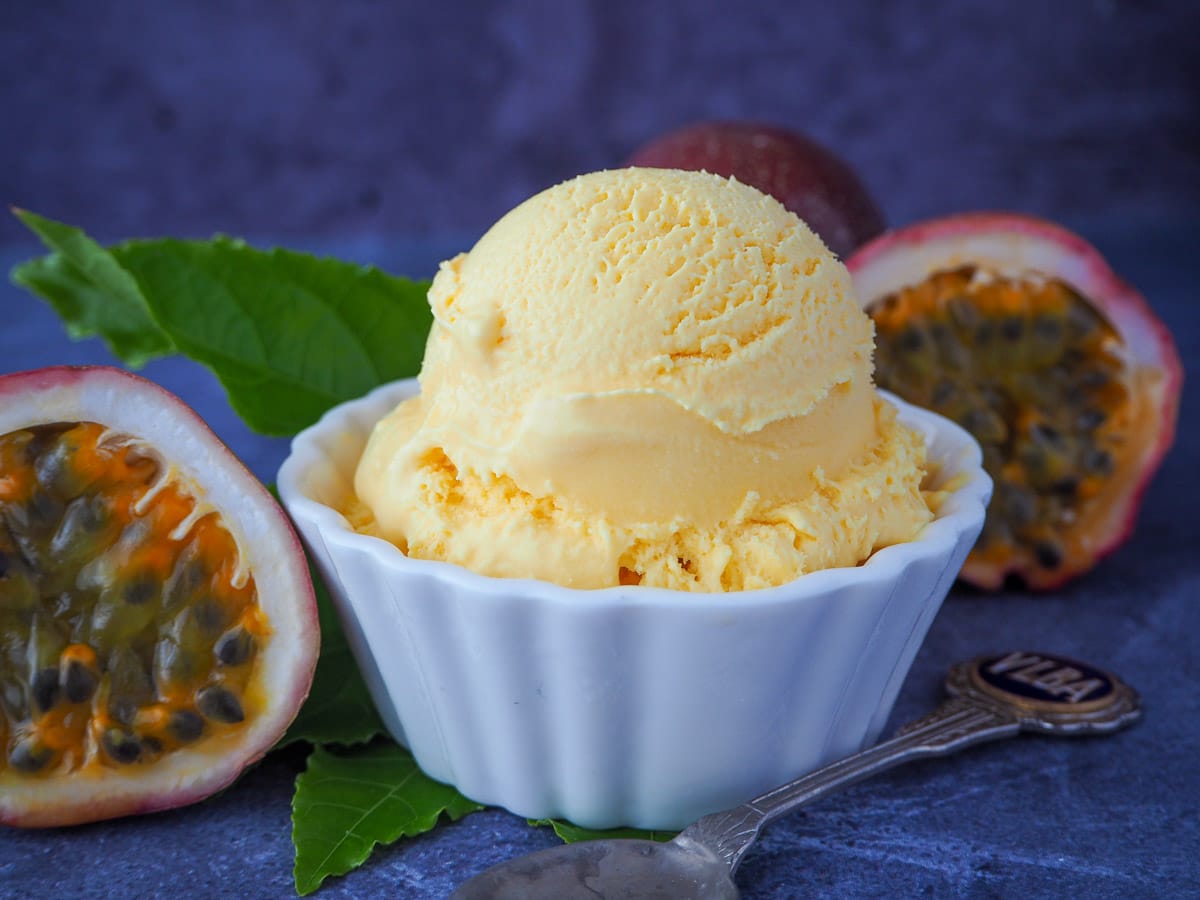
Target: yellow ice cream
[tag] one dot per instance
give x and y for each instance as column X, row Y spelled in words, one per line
column 645, row 376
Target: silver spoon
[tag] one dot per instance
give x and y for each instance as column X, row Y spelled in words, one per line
column 992, row 697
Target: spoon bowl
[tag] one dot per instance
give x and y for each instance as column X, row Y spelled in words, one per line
column 624, row 867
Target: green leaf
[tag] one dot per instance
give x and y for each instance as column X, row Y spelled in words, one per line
column 91, row 292
column 289, row 335
column 571, row 833
column 346, row 803
column 339, row 709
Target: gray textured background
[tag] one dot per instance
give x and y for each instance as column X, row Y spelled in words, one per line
column 286, row 119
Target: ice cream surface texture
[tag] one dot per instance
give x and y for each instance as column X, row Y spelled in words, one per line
column 645, row 376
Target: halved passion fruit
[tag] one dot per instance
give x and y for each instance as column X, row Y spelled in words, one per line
column 158, row 627
column 1018, row 330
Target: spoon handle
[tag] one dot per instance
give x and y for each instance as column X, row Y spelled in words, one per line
column 958, row 723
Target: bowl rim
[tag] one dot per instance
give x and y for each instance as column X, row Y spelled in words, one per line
column 962, row 510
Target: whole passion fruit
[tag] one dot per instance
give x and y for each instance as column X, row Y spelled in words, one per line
column 158, row 627
column 806, row 177
column 1018, row 330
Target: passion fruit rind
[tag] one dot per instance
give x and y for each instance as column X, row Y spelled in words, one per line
column 1020, row 331
column 158, row 626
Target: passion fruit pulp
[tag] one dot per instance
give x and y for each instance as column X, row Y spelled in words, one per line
column 1018, row 330
column 157, row 622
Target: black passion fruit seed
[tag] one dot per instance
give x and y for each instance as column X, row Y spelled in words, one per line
column 236, row 647
column 185, row 726
column 120, row 745
column 219, row 704
column 29, row 755
column 121, row 602
column 80, row 675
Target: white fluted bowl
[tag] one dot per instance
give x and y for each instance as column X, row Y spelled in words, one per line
column 628, row 705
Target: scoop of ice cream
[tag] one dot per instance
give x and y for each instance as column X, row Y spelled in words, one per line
column 642, row 354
